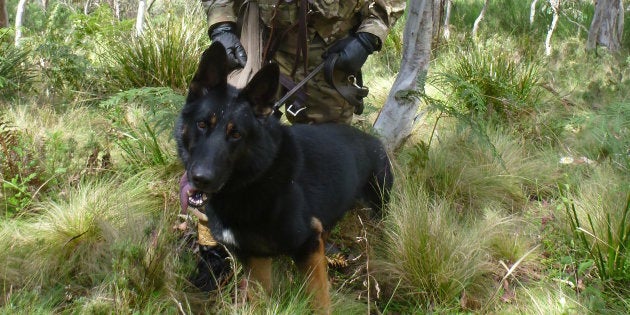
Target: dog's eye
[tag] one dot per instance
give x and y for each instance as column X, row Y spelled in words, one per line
column 202, row 125
column 235, row 134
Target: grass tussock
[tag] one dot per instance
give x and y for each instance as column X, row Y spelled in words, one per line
column 97, row 241
column 503, row 171
column 164, row 56
column 440, row 257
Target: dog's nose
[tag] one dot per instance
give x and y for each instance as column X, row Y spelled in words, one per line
column 202, row 177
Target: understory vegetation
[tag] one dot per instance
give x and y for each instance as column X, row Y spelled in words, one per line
column 512, row 195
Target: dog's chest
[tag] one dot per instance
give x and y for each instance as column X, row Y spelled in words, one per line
column 257, row 227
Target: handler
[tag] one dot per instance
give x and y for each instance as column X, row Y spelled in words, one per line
column 299, row 35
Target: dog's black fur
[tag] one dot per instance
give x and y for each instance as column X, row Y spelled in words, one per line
column 270, row 184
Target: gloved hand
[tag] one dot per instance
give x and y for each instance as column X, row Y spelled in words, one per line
column 353, row 51
column 225, row 33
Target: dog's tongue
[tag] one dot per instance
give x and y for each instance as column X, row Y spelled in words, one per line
column 188, row 196
column 184, row 188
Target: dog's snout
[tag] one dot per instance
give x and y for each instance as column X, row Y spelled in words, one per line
column 202, row 177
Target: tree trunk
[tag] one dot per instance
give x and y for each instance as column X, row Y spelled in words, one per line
column 607, row 26
column 140, row 17
column 4, row 15
column 482, row 14
column 447, row 19
column 117, row 9
column 555, row 7
column 438, row 13
column 18, row 21
column 400, row 112
column 532, row 12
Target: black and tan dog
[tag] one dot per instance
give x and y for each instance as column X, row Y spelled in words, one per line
column 272, row 189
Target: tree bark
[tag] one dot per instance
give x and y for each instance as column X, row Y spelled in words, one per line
column 607, row 26
column 482, row 14
column 555, row 7
column 140, row 17
column 4, row 15
column 400, row 112
column 18, row 21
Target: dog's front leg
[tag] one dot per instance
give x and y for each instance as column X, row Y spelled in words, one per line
column 314, row 267
column 258, row 270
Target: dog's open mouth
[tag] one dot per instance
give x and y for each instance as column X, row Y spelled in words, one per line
column 197, row 199
column 189, row 196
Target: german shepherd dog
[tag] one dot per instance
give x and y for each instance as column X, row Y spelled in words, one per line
column 272, row 189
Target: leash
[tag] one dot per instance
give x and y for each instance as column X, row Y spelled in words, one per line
column 292, row 91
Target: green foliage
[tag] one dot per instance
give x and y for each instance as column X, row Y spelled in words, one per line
column 143, row 133
column 164, row 55
column 603, row 134
column 604, row 236
column 15, row 72
column 19, row 172
column 489, row 84
column 141, row 145
column 67, row 48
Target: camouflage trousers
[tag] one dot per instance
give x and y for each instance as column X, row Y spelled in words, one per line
column 323, row 102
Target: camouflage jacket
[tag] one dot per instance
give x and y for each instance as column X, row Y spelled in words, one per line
column 330, row 19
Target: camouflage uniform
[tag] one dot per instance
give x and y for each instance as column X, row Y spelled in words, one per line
column 329, row 21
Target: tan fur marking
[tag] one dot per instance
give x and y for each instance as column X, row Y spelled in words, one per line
column 213, row 120
column 316, row 225
column 315, row 269
column 259, row 270
column 228, row 129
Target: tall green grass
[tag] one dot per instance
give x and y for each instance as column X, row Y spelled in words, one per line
column 598, row 213
column 16, row 73
column 165, row 55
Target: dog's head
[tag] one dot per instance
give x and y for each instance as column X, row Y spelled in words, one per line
column 224, row 133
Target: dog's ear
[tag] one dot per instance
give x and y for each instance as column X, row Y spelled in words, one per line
column 262, row 89
column 212, row 71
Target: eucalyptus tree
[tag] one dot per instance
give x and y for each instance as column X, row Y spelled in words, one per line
column 400, row 113
column 607, row 26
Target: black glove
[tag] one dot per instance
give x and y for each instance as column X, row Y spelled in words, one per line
column 225, row 33
column 353, row 51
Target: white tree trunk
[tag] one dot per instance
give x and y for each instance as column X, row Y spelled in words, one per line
column 607, row 26
column 400, row 112
column 117, row 9
column 532, row 12
column 18, row 21
column 555, row 7
column 447, row 19
column 482, row 14
column 140, row 17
